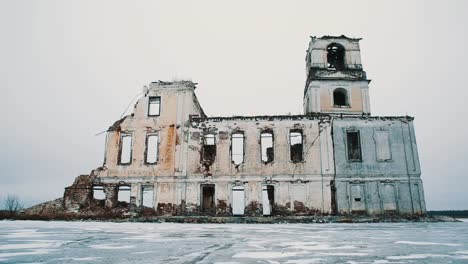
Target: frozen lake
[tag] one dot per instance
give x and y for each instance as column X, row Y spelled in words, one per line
column 96, row 242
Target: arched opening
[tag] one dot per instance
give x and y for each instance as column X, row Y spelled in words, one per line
column 340, row 97
column 335, row 56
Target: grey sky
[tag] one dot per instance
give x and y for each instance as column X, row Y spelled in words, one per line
column 69, row 68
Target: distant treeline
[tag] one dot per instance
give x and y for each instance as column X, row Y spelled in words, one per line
column 452, row 213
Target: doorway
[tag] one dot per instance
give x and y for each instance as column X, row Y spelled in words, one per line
column 268, row 199
column 207, row 198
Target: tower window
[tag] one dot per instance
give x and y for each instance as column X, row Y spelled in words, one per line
column 237, row 148
column 340, row 97
column 335, row 56
column 154, row 106
column 296, row 145
column 354, row 146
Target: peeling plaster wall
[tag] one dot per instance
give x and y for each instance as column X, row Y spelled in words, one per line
column 177, row 104
column 321, row 80
column 314, row 173
column 317, row 52
column 180, row 194
column 385, row 184
column 319, row 97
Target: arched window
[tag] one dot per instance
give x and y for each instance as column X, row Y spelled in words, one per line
column 340, row 97
column 335, row 56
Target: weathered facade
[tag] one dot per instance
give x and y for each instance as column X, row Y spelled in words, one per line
column 335, row 159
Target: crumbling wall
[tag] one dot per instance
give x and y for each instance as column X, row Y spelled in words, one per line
column 79, row 194
column 282, row 164
column 177, row 103
column 317, row 172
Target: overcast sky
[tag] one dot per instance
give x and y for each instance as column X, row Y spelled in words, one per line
column 68, row 69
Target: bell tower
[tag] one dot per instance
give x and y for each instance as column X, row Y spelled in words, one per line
column 336, row 82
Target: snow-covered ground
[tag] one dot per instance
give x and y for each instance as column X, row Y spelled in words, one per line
column 97, row 242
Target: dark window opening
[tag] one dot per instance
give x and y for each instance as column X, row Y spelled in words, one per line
column 154, row 106
column 125, row 154
column 271, row 196
column 340, row 97
column 237, row 148
column 333, row 196
column 335, row 56
column 357, row 199
column 354, row 146
column 209, row 148
column 266, row 145
column 208, row 201
column 296, row 145
column 268, row 199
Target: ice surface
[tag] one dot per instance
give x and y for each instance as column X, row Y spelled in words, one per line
column 99, row 242
column 427, row 243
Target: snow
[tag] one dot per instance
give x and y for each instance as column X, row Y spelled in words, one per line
column 104, row 242
column 421, row 243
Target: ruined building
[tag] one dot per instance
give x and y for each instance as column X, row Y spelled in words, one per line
column 336, row 158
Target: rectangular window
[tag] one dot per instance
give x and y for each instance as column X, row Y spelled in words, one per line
column 382, row 145
column 123, row 194
column 296, row 145
column 98, row 193
column 152, row 144
column 209, row 148
column 354, row 146
column 125, row 149
column 266, row 145
column 154, row 106
column 237, row 148
column 147, row 196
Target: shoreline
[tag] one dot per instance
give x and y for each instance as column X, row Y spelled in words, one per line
column 316, row 219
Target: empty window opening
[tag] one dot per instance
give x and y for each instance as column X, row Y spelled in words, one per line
column 152, row 143
column 354, row 146
column 98, row 193
column 357, row 199
column 208, row 201
column 123, row 194
column 268, row 199
column 209, row 148
column 340, row 97
column 237, row 148
column 154, row 106
column 126, row 149
column 266, row 144
column 295, row 140
column 335, row 56
column 147, row 197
